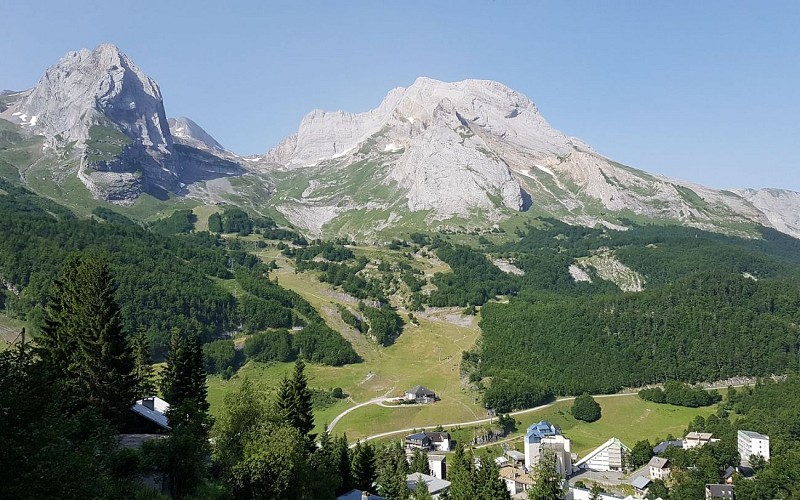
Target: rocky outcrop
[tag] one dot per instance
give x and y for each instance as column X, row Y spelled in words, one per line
column 113, row 113
column 456, row 148
column 187, row 132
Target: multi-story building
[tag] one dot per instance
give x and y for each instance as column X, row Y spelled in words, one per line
column 752, row 443
column 544, row 437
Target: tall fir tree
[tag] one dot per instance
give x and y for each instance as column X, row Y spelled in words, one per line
column 184, row 377
column 82, row 340
column 489, row 486
column 294, row 401
column 393, row 472
column 419, row 462
column 461, row 475
column 183, row 456
column 421, row 491
column 324, row 462
column 362, row 466
column 143, row 376
column 343, row 462
column 547, row 482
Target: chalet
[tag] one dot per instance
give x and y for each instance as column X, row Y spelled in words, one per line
column 427, row 441
column 358, row 495
column 659, row 468
column 719, row 491
column 516, row 479
column 609, row 456
column 420, row 394
column 663, row 445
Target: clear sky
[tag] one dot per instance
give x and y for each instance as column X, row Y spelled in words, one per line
column 702, row 90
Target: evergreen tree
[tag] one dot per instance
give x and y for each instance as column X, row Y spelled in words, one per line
column 392, row 472
column 143, row 376
column 184, row 378
column 324, row 462
column 421, row 491
column 462, row 475
column 488, row 483
column 419, row 462
column 294, row 401
column 363, row 466
column 215, row 223
column 82, row 340
column 548, row 483
column 343, row 463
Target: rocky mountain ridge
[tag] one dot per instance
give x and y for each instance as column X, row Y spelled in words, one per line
column 435, row 155
column 453, row 150
column 100, row 105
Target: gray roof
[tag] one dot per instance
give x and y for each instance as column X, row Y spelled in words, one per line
column 515, row 455
column 420, row 391
column 663, row 445
column 435, row 485
column 720, row 490
column 640, row 482
column 158, row 415
column 658, row 462
column 755, row 435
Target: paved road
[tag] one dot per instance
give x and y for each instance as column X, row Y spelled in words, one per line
column 483, row 420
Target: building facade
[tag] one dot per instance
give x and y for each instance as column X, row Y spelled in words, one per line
column 752, row 443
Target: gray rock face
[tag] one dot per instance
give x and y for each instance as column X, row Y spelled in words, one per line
column 101, row 101
column 188, row 132
column 452, row 148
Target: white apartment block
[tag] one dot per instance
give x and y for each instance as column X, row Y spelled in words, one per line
column 752, row 443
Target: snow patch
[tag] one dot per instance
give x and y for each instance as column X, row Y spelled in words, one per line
column 33, row 120
column 545, row 169
column 393, row 148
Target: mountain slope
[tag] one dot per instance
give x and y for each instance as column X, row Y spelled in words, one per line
column 98, row 110
column 477, row 151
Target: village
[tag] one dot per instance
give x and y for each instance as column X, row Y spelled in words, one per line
column 600, row 474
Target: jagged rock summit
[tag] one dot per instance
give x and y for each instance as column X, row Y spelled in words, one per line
column 103, row 104
column 461, row 149
column 188, row 132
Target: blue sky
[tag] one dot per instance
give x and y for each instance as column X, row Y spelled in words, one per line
column 707, row 91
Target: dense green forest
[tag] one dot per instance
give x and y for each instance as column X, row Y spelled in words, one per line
column 164, row 280
column 708, row 326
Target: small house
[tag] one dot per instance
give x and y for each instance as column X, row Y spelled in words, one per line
column 516, row 479
column 420, row 394
column 695, row 439
column 640, row 484
column 659, row 468
column 435, row 485
column 427, row 441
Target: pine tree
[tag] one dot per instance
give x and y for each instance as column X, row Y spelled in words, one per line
column 393, row 472
column 184, row 377
column 462, row 475
column 324, row 462
column 343, row 462
column 489, row 484
column 421, row 491
column 548, row 483
column 419, row 462
column 143, row 376
column 294, row 401
column 363, row 466
column 82, row 340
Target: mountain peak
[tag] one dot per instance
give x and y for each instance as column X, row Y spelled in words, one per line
column 186, row 130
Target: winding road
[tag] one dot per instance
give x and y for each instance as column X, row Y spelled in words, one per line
column 480, row 421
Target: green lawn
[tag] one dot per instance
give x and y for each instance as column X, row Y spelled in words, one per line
column 427, row 355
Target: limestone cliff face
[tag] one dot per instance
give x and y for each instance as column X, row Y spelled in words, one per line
column 113, row 113
column 186, row 131
column 454, row 148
